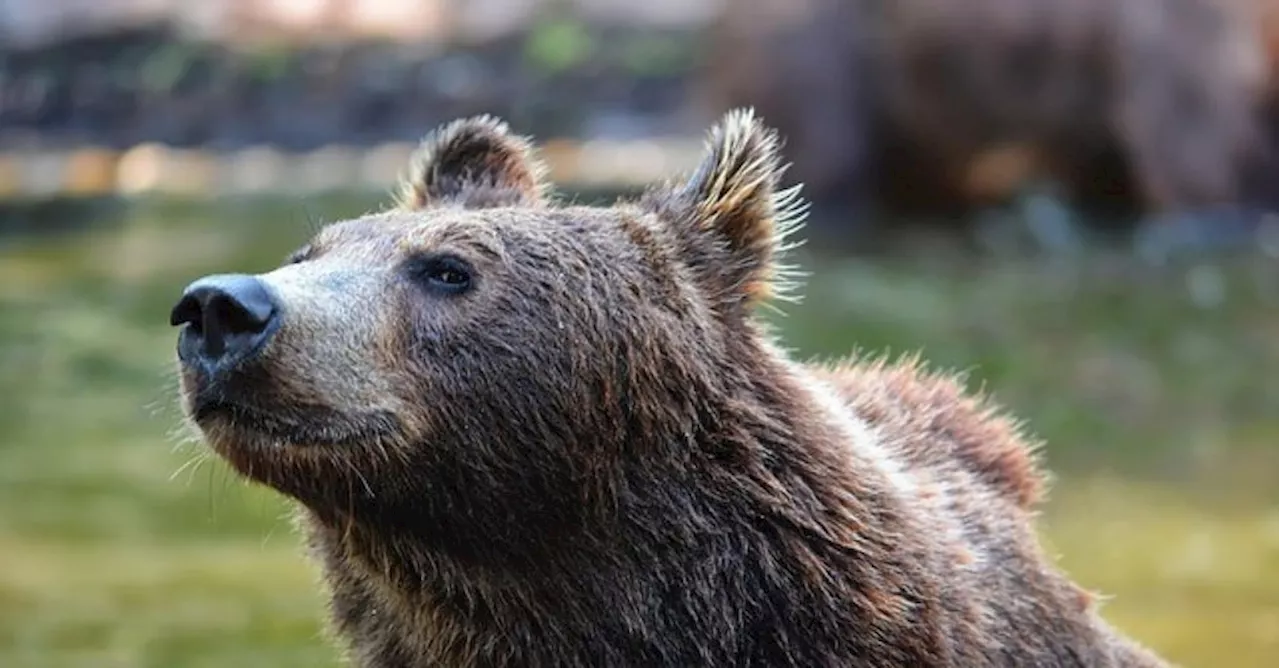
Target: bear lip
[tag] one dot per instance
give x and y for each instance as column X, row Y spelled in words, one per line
column 310, row 426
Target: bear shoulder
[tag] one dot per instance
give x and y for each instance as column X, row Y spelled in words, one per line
column 934, row 421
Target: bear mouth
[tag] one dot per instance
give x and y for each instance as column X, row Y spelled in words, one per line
column 240, row 409
column 299, row 426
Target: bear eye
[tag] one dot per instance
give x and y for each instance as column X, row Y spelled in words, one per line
column 300, row 255
column 445, row 273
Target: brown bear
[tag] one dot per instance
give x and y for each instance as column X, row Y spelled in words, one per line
column 525, row 434
column 938, row 106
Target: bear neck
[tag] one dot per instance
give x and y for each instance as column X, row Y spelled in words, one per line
column 759, row 491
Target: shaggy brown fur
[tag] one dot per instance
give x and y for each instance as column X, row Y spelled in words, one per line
column 590, row 453
column 1127, row 105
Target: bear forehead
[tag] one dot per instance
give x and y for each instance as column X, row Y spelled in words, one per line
column 488, row 231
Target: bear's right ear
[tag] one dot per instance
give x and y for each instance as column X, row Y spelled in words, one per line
column 474, row 163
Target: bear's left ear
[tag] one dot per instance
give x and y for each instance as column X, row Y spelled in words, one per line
column 474, row 163
column 731, row 216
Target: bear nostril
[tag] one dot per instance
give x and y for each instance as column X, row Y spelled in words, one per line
column 187, row 312
column 233, row 316
column 225, row 315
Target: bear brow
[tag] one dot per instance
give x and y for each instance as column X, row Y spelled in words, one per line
column 481, row 241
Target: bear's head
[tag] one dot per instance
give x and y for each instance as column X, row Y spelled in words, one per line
column 479, row 360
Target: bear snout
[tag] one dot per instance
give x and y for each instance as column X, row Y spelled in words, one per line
column 226, row 319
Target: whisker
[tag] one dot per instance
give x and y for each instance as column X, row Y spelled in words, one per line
column 193, row 464
column 364, row 481
column 314, row 222
column 209, row 509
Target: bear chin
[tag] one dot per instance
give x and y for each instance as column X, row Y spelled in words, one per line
column 314, row 455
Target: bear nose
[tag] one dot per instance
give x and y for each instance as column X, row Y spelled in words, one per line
column 227, row 316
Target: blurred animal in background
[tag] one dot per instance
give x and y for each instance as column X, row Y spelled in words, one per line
column 1123, row 108
column 1263, row 181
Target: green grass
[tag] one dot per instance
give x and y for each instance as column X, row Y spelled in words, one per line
column 1159, row 413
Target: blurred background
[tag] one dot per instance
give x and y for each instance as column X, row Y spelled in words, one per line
column 1073, row 201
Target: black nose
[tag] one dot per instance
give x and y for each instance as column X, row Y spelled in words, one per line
column 228, row 317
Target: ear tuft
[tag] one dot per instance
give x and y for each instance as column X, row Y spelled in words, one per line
column 475, row 163
column 733, row 213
